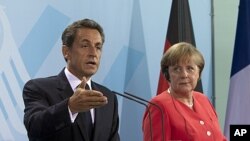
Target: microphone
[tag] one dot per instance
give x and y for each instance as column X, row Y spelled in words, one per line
column 157, row 106
column 140, row 102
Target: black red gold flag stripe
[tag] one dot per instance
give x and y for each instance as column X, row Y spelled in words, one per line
column 180, row 29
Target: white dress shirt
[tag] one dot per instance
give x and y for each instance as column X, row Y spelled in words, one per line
column 74, row 82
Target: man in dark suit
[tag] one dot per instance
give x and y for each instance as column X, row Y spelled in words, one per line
column 62, row 108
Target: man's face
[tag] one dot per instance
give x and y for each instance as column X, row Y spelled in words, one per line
column 83, row 58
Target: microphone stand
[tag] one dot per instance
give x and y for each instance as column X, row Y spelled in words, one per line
column 157, row 106
column 142, row 103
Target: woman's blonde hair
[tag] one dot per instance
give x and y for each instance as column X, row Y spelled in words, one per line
column 181, row 52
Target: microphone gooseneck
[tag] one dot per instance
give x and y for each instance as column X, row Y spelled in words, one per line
column 140, row 102
column 157, row 106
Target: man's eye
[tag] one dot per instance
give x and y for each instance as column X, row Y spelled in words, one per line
column 84, row 46
column 99, row 47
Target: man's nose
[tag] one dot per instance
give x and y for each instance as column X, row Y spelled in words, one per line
column 92, row 50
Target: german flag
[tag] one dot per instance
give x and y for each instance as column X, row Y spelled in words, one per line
column 180, row 29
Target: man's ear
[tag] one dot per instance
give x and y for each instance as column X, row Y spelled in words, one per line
column 65, row 51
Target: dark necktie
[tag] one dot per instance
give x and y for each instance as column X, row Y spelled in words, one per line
column 88, row 120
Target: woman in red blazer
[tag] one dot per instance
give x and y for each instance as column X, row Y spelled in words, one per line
column 187, row 115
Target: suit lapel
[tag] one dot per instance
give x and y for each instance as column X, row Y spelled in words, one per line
column 99, row 117
column 64, row 86
column 79, row 121
column 66, row 91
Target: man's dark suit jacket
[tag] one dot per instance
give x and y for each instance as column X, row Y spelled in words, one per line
column 47, row 117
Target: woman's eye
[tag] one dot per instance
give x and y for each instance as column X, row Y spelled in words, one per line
column 177, row 69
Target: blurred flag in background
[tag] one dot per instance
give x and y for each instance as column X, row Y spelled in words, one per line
column 180, row 29
column 238, row 104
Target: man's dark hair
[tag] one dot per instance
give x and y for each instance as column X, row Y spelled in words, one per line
column 69, row 33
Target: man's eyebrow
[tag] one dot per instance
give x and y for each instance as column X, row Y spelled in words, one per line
column 88, row 41
column 85, row 40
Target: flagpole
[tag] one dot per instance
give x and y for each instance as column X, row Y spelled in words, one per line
column 213, row 96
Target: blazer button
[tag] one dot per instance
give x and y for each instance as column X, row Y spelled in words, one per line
column 202, row 122
column 209, row 133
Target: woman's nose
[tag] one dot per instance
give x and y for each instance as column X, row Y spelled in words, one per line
column 184, row 73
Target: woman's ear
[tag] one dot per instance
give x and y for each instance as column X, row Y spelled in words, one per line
column 166, row 75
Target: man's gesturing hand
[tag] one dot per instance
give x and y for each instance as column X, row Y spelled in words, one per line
column 82, row 100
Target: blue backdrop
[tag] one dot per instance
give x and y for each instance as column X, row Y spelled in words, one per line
column 30, row 47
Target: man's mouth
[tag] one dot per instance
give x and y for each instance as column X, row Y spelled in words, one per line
column 91, row 63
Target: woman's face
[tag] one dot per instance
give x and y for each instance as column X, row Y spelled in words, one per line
column 183, row 76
